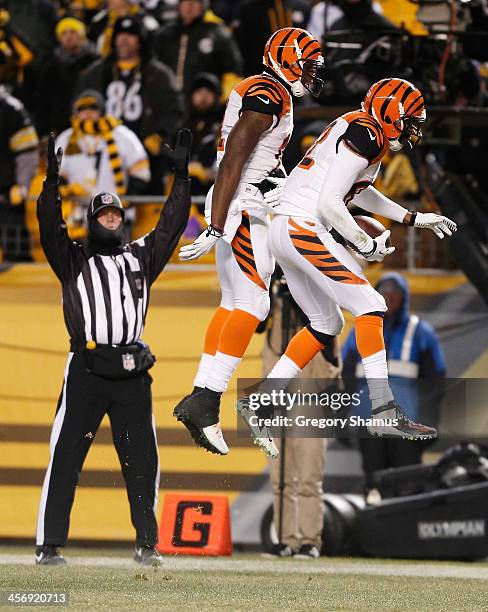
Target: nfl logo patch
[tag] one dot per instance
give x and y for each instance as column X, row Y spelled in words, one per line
column 107, row 198
column 138, row 282
column 128, row 361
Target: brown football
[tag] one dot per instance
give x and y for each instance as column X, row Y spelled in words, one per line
column 371, row 226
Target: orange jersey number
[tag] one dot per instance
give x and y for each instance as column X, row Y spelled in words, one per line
column 307, row 162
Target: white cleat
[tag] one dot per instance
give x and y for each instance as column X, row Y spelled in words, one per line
column 260, row 434
column 214, row 435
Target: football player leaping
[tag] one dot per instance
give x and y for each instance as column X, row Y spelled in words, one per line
column 257, row 126
column 322, row 275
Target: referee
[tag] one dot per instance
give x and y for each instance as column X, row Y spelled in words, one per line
column 105, row 287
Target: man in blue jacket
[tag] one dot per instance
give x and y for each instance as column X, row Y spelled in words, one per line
column 413, row 351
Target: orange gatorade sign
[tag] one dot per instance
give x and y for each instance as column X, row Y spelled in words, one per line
column 195, row 525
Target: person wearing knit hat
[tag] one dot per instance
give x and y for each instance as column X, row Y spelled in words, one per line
column 134, row 27
column 70, row 24
column 206, row 80
column 101, row 28
column 89, row 100
column 58, row 78
column 100, row 153
column 136, row 88
column 205, row 114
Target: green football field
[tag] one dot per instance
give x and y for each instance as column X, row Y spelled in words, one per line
column 102, row 579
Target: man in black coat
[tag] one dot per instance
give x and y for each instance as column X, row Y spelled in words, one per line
column 60, row 75
column 191, row 45
column 139, row 90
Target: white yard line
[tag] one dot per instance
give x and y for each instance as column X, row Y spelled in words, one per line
column 203, row 564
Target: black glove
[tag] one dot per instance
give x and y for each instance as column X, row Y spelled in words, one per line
column 53, row 161
column 180, row 155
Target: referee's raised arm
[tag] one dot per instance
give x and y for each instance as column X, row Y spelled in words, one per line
column 55, row 241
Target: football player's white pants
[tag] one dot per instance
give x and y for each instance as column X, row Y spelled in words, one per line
column 245, row 266
column 321, row 274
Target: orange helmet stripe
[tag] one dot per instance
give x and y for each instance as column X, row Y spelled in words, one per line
column 416, row 105
column 379, row 87
column 286, row 51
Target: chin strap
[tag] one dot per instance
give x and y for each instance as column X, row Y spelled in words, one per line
column 298, row 89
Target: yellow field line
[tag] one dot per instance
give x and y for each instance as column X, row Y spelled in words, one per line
column 35, row 455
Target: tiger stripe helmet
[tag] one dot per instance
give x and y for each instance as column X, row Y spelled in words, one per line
column 399, row 108
column 295, row 56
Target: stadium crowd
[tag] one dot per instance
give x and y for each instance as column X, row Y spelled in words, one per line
column 88, row 69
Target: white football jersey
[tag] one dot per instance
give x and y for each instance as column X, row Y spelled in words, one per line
column 362, row 134
column 89, row 164
column 261, row 93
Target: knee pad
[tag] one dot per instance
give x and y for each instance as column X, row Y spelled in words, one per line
column 380, row 308
column 259, row 307
column 227, row 300
column 325, row 339
column 332, row 326
column 328, row 342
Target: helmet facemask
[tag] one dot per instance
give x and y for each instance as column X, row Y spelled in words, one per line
column 410, row 128
column 307, row 78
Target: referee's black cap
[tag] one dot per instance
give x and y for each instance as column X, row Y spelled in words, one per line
column 102, row 200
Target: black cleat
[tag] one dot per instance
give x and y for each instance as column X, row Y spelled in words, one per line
column 279, row 550
column 147, row 555
column 307, row 551
column 49, row 555
column 199, row 413
column 404, row 428
column 195, row 432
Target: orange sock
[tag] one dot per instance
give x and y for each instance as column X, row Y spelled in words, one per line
column 237, row 333
column 369, row 335
column 214, row 330
column 303, row 347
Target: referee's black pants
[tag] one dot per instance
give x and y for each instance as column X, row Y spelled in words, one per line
column 84, row 400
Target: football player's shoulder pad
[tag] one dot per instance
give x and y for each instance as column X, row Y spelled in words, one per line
column 263, row 96
column 364, row 137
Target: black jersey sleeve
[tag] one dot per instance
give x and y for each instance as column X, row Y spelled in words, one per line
column 63, row 255
column 364, row 138
column 263, row 97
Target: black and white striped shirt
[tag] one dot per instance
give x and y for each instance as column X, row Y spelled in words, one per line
column 105, row 297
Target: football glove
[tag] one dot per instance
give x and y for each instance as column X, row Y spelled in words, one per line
column 202, row 244
column 54, row 159
column 272, row 193
column 179, row 156
column 437, row 223
column 380, row 250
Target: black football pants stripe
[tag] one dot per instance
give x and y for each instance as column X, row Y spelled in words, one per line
column 84, row 400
